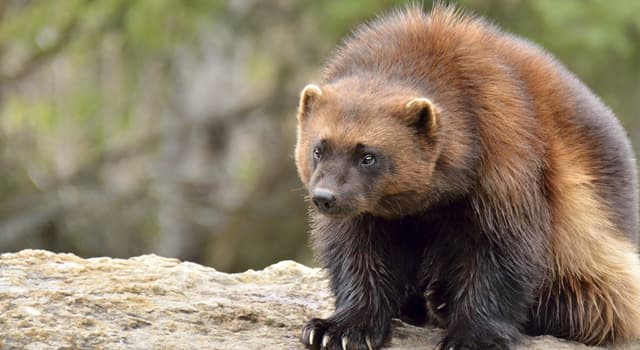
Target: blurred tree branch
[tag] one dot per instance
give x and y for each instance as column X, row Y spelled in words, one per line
column 38, row 58
column 65, row 37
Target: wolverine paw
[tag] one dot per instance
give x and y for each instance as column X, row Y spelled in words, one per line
column 449, row 343
column 326, row 334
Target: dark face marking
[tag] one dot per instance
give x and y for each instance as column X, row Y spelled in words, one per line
column 348, row 176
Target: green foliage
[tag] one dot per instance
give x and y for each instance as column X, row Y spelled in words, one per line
column 25, row 25
column 37, row 117
column 154, row 26
column 338, row 17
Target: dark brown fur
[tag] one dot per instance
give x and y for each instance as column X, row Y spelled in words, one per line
column 506, row 196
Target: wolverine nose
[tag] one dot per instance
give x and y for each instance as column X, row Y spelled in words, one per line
column 323, row 199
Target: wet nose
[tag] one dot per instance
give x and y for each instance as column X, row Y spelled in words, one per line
column 323, row 199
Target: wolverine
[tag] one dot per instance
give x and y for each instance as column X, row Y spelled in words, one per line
column 460, row 176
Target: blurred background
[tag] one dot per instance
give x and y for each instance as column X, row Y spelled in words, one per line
column 161, row 126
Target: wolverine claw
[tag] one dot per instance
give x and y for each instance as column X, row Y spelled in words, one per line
column 326, row 334
column 325, row 341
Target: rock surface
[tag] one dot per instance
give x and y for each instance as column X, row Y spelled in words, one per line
column 61, row 301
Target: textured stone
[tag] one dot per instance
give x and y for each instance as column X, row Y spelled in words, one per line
column 61, row 301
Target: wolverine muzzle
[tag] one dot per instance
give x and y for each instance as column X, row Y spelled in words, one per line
column 323, row 199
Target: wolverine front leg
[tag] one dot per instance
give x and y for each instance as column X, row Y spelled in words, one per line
column 366, row 285
column 490, row 292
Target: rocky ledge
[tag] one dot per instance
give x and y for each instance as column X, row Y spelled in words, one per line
column 61, row 301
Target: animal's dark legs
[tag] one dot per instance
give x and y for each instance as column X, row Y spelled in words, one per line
column 368, row 281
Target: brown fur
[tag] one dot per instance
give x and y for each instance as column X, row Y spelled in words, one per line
column 513, row 135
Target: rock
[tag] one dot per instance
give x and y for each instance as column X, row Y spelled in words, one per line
column 61, row 301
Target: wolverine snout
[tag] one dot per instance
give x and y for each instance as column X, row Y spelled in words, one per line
column 335, row 204
column 323, row 199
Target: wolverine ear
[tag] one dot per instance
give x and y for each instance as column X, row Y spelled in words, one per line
column 424, row 111
column 309, row 94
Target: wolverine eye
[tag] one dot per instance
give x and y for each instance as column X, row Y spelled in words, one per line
column 368, row 160
column 317, row 153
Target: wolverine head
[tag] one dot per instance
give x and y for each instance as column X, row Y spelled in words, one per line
column 366, row 147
